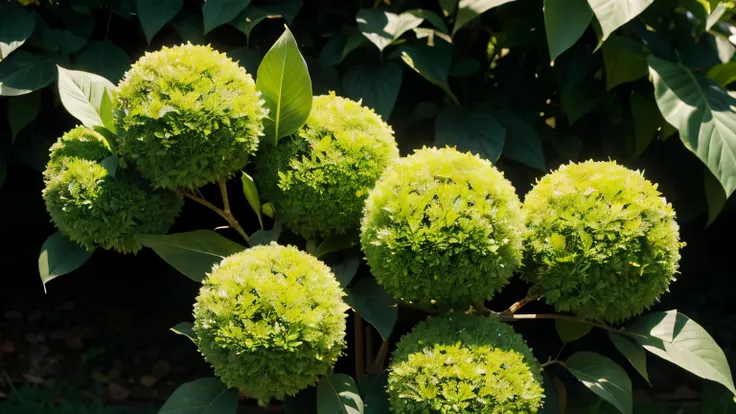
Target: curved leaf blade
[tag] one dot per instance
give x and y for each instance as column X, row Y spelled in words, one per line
column 632, row 351
column 374, row 304
column 701, row 110
column 724, row 73
column 372, row 389
column 624, row 61
column 185, row 329
column 377, row 85
column 22, row 110
column 283, row 79
column 612, row 14
column 476, row 132
column 565, row 22
column 569, row 331
column 193, row 253
column 202, row 396
column 338, row 394
column 23, row 73
column 432, row 63
column 522, row 143
column 16, row 25
column 155, row 14
column 251, row 194
column 87, row 97
column 60, row 256
column 604, row 377
column 714, row 196
column 468, row 10
column 105, row 58
column 218, row 12
column 382, row 28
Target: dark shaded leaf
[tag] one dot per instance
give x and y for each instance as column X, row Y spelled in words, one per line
column 376, row 84
column 60, row 256
column 374, row 304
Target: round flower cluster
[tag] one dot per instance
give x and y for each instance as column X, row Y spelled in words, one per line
column 442, row 227
column 187, row 116
column 603, row 243
column 271, row 321
column 95, row 208
column 464, row 364
column 319, row 178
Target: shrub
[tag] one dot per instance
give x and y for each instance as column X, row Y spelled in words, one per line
column 95, row 209
column 320, row 177
column 604, row 242
column 464, row 364
column 442, row 226
column 270, row 320
column 187, row 116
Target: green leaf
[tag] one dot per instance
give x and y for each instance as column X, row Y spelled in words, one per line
column 190, row 27
column 724, row 73
column 716, row 15
column 267, row 236
column 274, row 9
column 23, row 73
column 565, row 22
column 346, row 270
column 382, row 28
column 553, row 400
column 16, row 25
column 604, row 377
column 676, row 338
column 701, row 110
column 624, row 61
column 22, row 110
column 283, row 79
column 432, row 17
column 570, row 330
column 87, row 97
column 339, row 46
column 432, row 62
column 522, row 143
column 448, row 7
column 60, row 256
column 372, row 389
column 376, row 84
column 192, row 253
column 249, row 59
column 476, row 132
column 714, row 196
column 268, row 209
column 104, row 58
column 632, row 351
column 111, row 164
column 336, row 243
column 468, row 10
column 202, row 396
column 612, row 14
column 423, row 111
column 185, row 329
column 647, row 121
column 337, row 394
column 374, row 304
column 155, row 14
column 251, row 194
column 218, row 12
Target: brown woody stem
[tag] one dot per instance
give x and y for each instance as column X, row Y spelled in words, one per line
column 359, row 346
column 224, row 213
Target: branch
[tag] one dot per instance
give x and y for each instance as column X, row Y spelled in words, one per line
column 226, row 214
column 381, row 357
column 512, row 318
column 359, row 347
column 520, row 304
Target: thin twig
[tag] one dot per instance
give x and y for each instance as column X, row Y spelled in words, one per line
column 381, row 357
column 227, row 215
column 480, row 307
column 512, row 318
column 225, row 198
column 359, row 346
column 520, row 304
column 369, row 345
column 550, row 362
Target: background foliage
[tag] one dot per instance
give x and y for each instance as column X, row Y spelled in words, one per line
column 528, row 84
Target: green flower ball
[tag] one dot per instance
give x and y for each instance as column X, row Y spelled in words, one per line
column 187, row 116
column 464, row 364
column 95, row 209
column 602, row 241
column 319, row 178
column 271, row 321
column 442, row 226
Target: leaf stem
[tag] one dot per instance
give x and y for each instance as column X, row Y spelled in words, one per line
column 224, row 213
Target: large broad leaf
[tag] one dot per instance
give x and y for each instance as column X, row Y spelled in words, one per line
column 374, row 304
column 337, row 242
column 715, row 197
column 60, row 256
column 612, row 14
column 554, row 394
column 569, row 331
column 372, row 389
column 725, row 73
column 16, row 25
column 468, row 10
column 262, row 237
column 476, row 132
column 604, row 377
column 202, row 396
column 248, row 58
column 88, row 97
column 338, row 394
column 193, row 253
column 565, row 22
column 522, row 143
column 346, row 270
column 624, row 60
column 702, row 111
column 253, row 15
column 283, row 79
column 190, row 27
column 632, row 351
column 382, row 28
column 155, row 14
column 22, row 110
column 432, row 62
column 218, row 12
column 23, row 73
column 376, row 84
column 674, row 337
column 251, row 194
column 104, row 58
column 647, row 121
